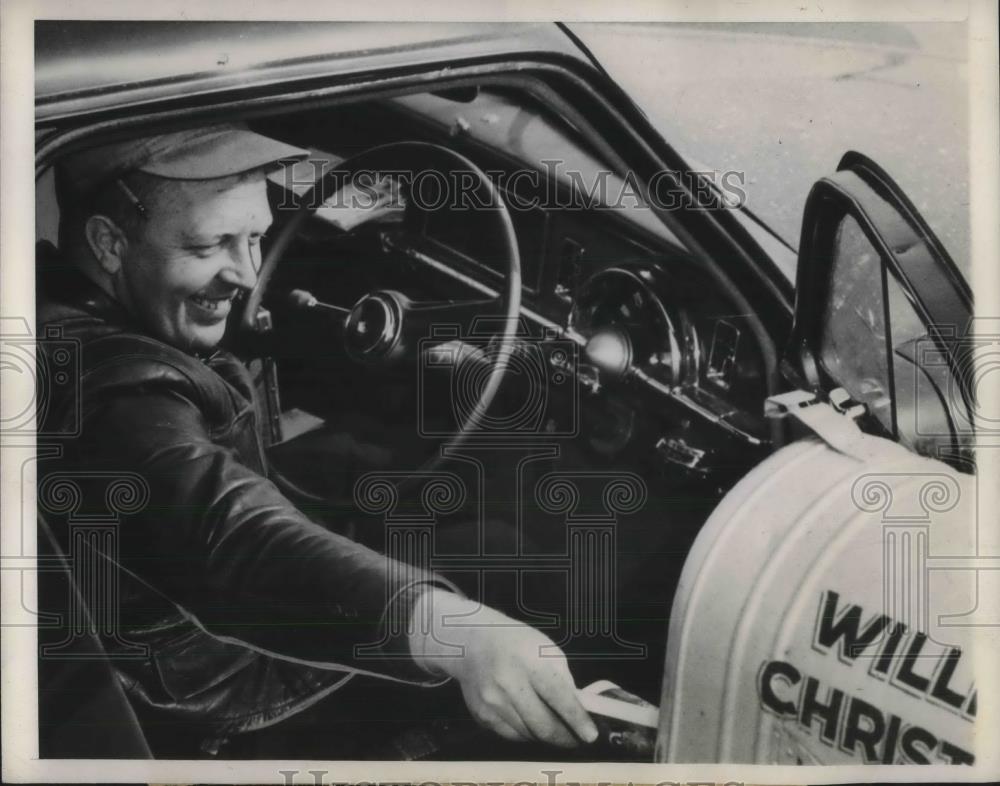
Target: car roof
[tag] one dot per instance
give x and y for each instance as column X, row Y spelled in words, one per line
column 88, row 66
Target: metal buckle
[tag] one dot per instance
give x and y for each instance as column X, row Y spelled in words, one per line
column 777, row 407
column 841, row 401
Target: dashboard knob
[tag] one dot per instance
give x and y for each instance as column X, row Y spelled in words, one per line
column 610, row 350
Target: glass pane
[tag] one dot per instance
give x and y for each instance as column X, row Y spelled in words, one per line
column 922, row 419
column 856, row 347
column 853, row 344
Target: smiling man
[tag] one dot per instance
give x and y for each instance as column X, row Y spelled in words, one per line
column 186, row 211
column 250, row 611
column 193, row 260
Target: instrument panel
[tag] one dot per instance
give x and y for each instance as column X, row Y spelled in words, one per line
column 667, row 365
column 661, row 342
column 657, row 335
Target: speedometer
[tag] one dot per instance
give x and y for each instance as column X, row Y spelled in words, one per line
column 624, row 303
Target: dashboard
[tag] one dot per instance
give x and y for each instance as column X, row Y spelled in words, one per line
column 665, row 369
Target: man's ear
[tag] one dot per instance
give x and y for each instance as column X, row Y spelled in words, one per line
column 107, row 243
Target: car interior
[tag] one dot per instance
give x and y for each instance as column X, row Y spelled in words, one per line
column 689, row 425
column 627, row 363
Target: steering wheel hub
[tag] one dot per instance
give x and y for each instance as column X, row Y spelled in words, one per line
column 373, row 327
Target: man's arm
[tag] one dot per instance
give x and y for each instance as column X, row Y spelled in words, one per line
column 221, row 541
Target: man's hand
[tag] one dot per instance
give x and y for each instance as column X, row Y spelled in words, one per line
column 514, row 679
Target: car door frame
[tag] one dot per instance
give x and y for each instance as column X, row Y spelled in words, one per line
column 908, row 250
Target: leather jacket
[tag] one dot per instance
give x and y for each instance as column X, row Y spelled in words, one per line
column 245, row 609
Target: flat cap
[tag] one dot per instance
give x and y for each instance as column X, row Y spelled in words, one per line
column 202, row 153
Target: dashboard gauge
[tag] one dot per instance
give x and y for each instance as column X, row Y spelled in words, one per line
column 623, row 303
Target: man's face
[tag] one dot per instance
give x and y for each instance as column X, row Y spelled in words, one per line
column 198, row 249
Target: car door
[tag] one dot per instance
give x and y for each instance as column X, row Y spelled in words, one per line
column 883, row 314
column 852, row 621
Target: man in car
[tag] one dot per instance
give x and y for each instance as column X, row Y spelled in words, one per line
column 251, row 612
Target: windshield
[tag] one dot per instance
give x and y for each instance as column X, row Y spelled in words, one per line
column 781, row 103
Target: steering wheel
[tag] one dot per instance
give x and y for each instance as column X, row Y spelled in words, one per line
column 385, row 326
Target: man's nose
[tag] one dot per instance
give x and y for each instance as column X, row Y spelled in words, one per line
column 244, row 266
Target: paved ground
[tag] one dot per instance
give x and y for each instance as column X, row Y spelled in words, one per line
column 782, row 103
